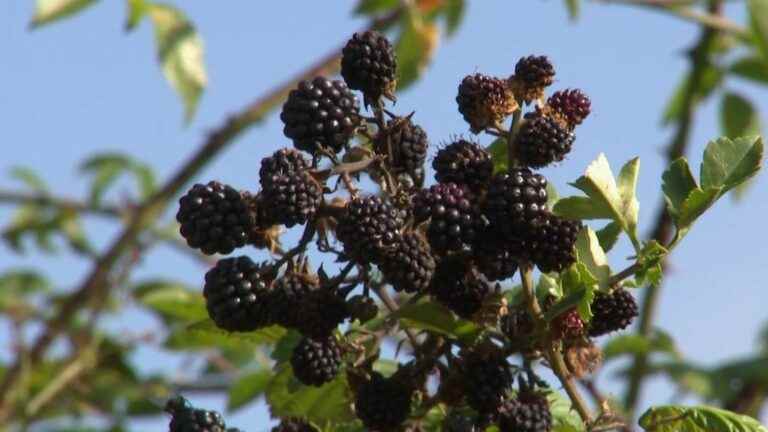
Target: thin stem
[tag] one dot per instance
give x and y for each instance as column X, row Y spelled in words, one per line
column 46, row 200
column 392, row 307
column 513, row 129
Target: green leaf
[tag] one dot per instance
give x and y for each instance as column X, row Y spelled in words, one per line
column 284, row 347
column 696, row 204
column 137, row 10
column 205, row 334
column 677, row 185
column 711, row 77
column 573, row 7
column 564, row 417
column 180, row 51
column 500, row 155
column 627, row 184
column 599, row 185
column 247, row 388
column 454, row 13
column 608, row 235
column 751, row 68
column 758, row 17
column 738, row 117
column 728, row 163
column 593, row 257
column 30, row 178
column 48, row 11
column 414, row 49
column 549, row 286
column 579, row 207
column 578, row 289
column 427, row 315
column 171, row 300
column 371, row 7
column 552, row 195
column 649, row 262
column 675, row 418
column 658, row 342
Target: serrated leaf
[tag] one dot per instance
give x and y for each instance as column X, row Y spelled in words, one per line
column 500, row 155
column 30, row 178
column 635, row 344
column 599, row 185
column 677, row 185
column 573, row 7
column 415, row 47
column 288, row 398
column 454, row 11
column 751, row 68
column 738, row 117
column 627, row 184
column 428, row 315
column 695, row 205
column 579, row 207
column 48, row 11
column 171, row 300
column 608, row 235
column 181, row 56
column 675, row 418
column 247, row 388
column 369, row 7
column 728, row 163
column 593, row 257
column 758, row 18
column 549, row 286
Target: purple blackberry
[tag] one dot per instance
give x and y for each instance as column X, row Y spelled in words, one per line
column 612, row 312
column 455, row 219
column 404, row 143
column 571, row 104
column 459, row 286
column 383, row 404
column 553, row 246
column 409, row 265
column 185, row 418
column 321, row 311
column 484, row 101
column 369, row 226
column 368, row 64
column 316, row 361
column 291, row 290
column 465, row 163
column 515, row 201
column 542, row 140
column 487, row 379
column 496, row 257
column 237, row 294
column 532, row 75
column 529, row 412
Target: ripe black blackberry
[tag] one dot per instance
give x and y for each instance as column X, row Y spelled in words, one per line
column 405, row 144
column 543, row 139
column 484, row 101
column 294, row 425
column 571, row 104
column 517, row 324
column 237, row 292
column 409, row 265
column 383, row 404
column 487, row 378
column 529, row 412
column 553, row 248
column 612, row 312
column 455, row 219
column 459, row 286
column 293, row 199
column 362, row 308
column 321, row 113
column 465, row 163
column 368, row 227
column 515, row 201
column 214, row 218
column 368, row 64
column 495, row 256
column 320, row 312
column 185, row 418
column 290, row 291
column 283, row 162
column 532, row 75
column 316, row 361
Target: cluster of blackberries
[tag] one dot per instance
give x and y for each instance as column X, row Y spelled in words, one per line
column 186, row 418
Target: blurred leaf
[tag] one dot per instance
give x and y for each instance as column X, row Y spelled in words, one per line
column 738, row 117
column 751, row 68
column 688, row 376
column 23, row 282
column 499, row 155
column 48, row 11
column 247, row 388
column 454, row 14
column 674, row 418
column 573, row 7
column 204, row 334
column 727, row 163
column 137, row 10
column 658, row 342
column 180, row 51
column 593, row 257
column 608, row 235
column 371, row 7
column 284, row 347
column 171, row 300
column 414, row 49
column 677, row 184
column 549, row 286
column 758, row 17
column 710, row 79
column 30, row 178
column 42, row 224
column 564, row 417
column 107, row 168
column 428, row 315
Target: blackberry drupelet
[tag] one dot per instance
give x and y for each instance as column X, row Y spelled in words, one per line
column 495, row 256
column 484, row 101
column 362, row 308
column 214, row 218
column 383, row 404
column 321, row 113
column 237, row 294
column 368, row 64
column 515, row 201
column 487, row 379
column 543, row 140
column 459, row 286
column 465, row 163
column 409, row 265
column 185, row 418
column 293, row 199
column 283, row 162
column 571, row 104
column 532, row 75
column 294, row 425
column 455, row 219
column 320, row 312
column 612, row 312
column 529, row 412
column 553, row 248
column 291, row 290
column 368, row 227
column 316, row 361
column 405, row 143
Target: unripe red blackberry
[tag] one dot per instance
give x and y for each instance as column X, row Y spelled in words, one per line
column 368, row 227
column 294, row 425
column 515, row 201
column 214, row 218
column 362, row 308
column 542, row 140
column 487, row 379
column 405, row 144
column 383, row 404
column 316, row 361
column 571, row 104
column 368, row 64
column 553, row 248
column 612, row 312
column 529, row 412
column 288, row 295
column 459, row 286
column 185, row 418
column 320, row 312
column 321, row 113
column 237, row 294
column 465, row 163
column 409, row 265
column 568, row 325
column 484, row 101
column 532, row 75
column 495, row 256
column 455, row 219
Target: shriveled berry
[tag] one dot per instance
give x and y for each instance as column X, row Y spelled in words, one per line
column 484, row 101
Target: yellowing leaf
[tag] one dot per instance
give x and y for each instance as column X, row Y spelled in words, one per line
column 48, row 11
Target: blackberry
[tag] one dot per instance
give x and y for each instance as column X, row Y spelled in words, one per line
column 455, row 217
column 568, row 325
column 368, row 64
column 456, row 422
column 484, row 101
column 532, row 75
column 214, row 218
column 553, row 246
column 320, row 312
column 459, row 287
column 362, row 308
column 383, row 404
column 515, row 201
column 185, row 418
column 316, row 361
column 405, row 143
column 542, row 140
column 465, row 163
column 321, row 114
column 368, row 227
column 294, row 425
column 293, row 199
column 487, row 378
column 237, row 294
column 529, row 412
column 495, row 257
column 517, row 324
column 283, row 162
column 409, row 265
column 612, row 312
column 290, row 291
column 571, row 104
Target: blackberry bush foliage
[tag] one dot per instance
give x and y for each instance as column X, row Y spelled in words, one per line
column 432, row 267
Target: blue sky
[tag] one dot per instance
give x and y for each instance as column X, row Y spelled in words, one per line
column 84, row 86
